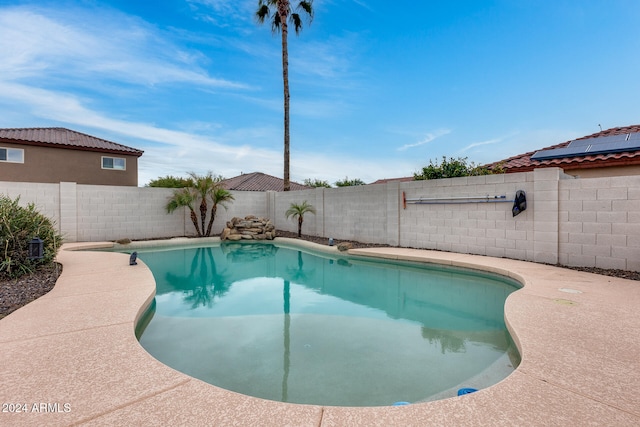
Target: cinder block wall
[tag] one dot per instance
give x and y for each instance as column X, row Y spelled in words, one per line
column 46, row 197
column 282, row 202
column 591, row 222
column 467, row 226
column 359, row 213
column 109, row 213
column 600, row 222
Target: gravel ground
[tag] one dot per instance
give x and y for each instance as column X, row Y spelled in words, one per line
column 19, row 292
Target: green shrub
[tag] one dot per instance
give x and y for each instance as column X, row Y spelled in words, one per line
column 453, row 168
column 18, row 225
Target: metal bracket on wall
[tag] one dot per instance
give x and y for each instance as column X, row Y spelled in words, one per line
column 454, row 200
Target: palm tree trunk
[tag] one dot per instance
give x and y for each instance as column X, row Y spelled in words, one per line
column 194, row 219
column 283, row 8
column 300, row 226
column 203, row 211
column 214, row 208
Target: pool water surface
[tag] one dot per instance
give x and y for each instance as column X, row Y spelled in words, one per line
column 296, row 326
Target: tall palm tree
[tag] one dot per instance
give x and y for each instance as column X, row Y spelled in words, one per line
column 279, row 11
column 184, row 197
column 298, row 211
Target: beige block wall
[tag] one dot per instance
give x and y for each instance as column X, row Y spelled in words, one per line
column 109, row 213
column 600, row 224
column 469, row 226
column 575, row 222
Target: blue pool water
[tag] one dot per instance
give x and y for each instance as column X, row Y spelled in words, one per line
column 294, row 326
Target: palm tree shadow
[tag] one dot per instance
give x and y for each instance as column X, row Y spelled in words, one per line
column 204, row 282
column 298, row 274
column 448, row 342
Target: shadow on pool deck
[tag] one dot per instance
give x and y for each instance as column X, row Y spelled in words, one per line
column 71, row 357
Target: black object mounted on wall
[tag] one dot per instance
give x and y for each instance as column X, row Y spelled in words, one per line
column 519, row 202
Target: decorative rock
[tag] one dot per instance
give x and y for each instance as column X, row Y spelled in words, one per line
column 345, row 246
column 225, row 233
column 248, row 228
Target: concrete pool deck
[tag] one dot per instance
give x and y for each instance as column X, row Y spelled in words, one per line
column 71, row 357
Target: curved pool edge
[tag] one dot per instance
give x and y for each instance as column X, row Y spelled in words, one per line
column 76, row 345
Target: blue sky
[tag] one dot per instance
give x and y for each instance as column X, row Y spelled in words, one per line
column 378, row 88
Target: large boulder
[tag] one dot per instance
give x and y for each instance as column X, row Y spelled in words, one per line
column 248, row 228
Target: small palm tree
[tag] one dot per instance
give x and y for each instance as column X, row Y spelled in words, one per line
column 298, row 211
column 204, row 185
column 184, row 197
column 219, row 196
column 205, row 189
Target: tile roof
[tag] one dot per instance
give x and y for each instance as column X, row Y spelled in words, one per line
column 258, row 181
column 64, row 138
column 523, row 162
column 386, row 180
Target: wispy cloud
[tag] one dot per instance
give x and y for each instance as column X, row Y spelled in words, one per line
column 332, row 60
column 224, row 13
column 73, row 45
column 480, row 144
column 427, row 139
column 363, row 4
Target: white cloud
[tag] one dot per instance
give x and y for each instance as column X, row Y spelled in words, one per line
column 68, row 109
column 74, row 45
column 480, row 144
column 224, row 13
column 54, row 60
column 431, row 136
column 171, row 152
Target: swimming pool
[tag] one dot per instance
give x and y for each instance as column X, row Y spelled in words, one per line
column 296, row 326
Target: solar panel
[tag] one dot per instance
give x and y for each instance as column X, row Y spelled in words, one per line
column 583, row 147
column 601, row 140
column 634, row 137
column 611, row 147
column 558, row 153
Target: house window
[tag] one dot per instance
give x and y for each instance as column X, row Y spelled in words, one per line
column 116, row 163
column 11, row 155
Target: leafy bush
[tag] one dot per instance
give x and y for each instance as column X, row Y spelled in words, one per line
column 170, row 181
column 18, row 225
column 346, row 182
column 452, row 168
column 316, row 183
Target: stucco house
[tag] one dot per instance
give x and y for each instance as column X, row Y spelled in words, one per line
column 611, row 152
column 52, row 155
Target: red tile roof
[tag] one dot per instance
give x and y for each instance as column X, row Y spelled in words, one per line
column 64, row 138
column 258, row 181
column 523, row 162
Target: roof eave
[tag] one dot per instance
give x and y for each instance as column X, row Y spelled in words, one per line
column 136, row 153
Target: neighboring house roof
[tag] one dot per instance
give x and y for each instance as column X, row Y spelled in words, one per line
column 524, row 163
column 64, row 138
column 386, row 180
column 258, row 181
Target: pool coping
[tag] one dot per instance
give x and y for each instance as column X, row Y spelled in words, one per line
column 71, row 357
